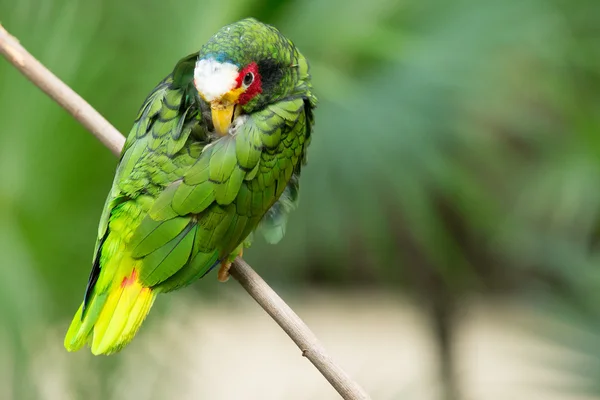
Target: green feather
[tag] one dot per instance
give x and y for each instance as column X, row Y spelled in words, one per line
column 180, row 135
column 199, row 172
column 200, row 265
column 243, row 201
column 162, row 209
column 151, row 234
column 268, row 196
column 248, row 148
column 193, row 199
column 256, row 202
column 252, row 174
column 168, row 259
column 213, row 227
column 273, row 224
column 130, row 159
column 226, row 192
column 223, row 159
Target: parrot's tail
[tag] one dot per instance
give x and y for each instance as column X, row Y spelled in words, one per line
column 111, row 318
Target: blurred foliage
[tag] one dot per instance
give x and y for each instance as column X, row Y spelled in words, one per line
column 457, row 146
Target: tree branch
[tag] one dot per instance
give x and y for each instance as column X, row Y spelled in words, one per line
column 287, row 319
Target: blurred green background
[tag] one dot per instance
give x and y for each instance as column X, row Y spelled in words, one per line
column 455, row 161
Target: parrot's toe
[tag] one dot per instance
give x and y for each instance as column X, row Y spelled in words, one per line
column 223, row 274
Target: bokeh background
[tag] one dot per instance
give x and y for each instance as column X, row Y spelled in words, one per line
column 446, row 244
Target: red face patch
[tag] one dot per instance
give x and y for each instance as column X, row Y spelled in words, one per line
column 251, row 80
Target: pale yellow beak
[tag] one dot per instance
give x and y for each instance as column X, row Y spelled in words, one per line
column 224, row 111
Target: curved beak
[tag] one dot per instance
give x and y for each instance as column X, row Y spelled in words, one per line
column 225, row 110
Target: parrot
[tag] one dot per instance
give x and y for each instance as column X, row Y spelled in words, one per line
column 215, row 154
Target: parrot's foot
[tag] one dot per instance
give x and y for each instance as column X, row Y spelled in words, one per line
column 223, row 274
column 237, row 122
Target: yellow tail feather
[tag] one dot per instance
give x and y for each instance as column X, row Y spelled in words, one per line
column 73, row 339
column 110, row 329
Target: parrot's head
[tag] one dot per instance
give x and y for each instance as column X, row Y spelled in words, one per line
column 246, row 66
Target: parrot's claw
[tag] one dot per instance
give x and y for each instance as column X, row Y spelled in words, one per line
column 206, row 147
column 237, row 123
column 223, row 274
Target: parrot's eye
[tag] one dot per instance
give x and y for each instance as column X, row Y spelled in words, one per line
column 248, row 79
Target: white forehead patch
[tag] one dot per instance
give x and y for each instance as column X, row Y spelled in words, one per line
column 213, row 79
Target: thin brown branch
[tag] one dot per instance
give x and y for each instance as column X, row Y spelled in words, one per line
column 287, row 319
column 296, row 329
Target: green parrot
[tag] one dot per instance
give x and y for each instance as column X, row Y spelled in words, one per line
column 215, row 153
